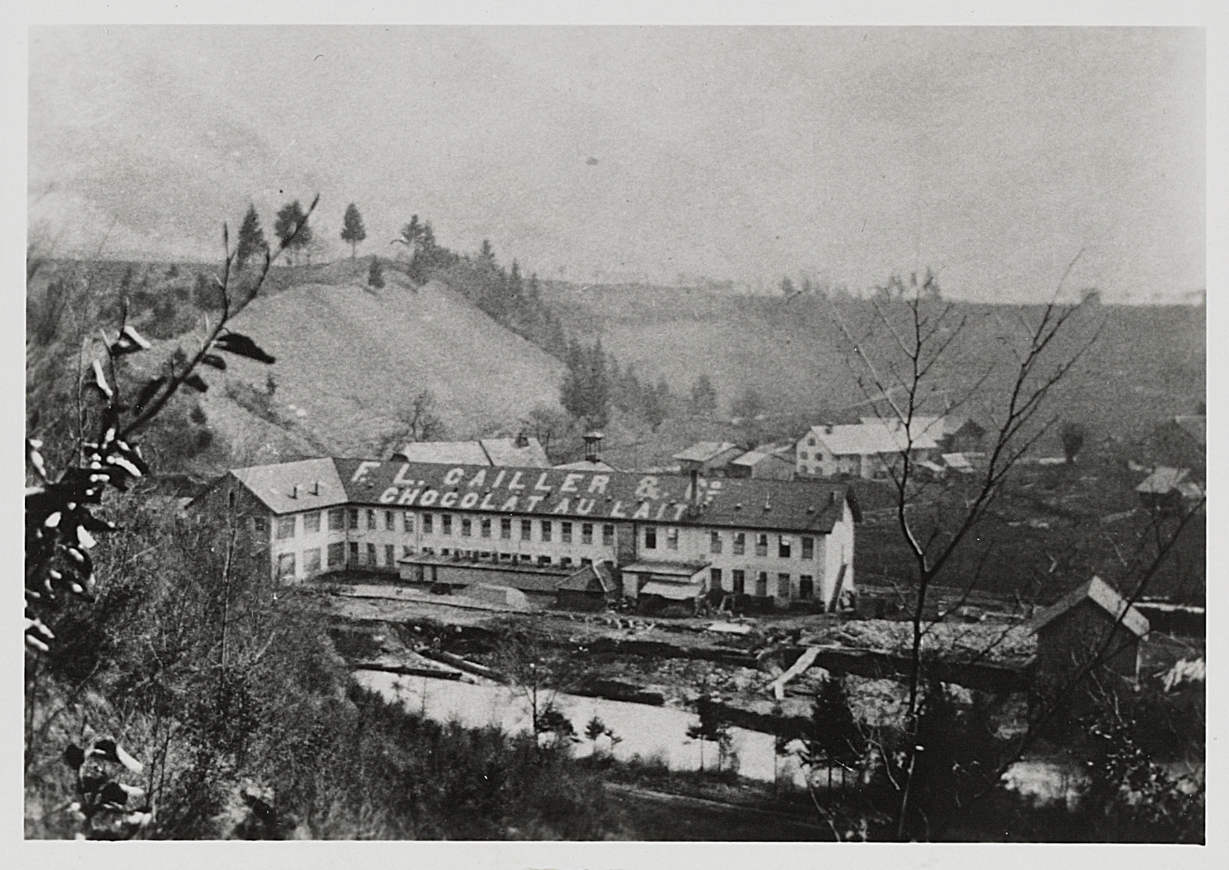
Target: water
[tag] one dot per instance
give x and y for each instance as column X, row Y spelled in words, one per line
column 650, row 732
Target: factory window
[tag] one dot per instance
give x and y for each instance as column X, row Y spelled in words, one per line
column 784, row 546
column 806, row 586
column 783, row 586
column 353, row 512
column 672, row 539
column 505, row 528
column 311, row 561
column 586, row 533
column 353, row 553
column 565, row 532
column 311, row 522
column 544, row 560
column 761, row 584
column 714, row 542
column 526, row 530
column 650, row 537
column 566, row 561
column 337, row 554
column 285, row 528
column 446, row 524
column 607, row 535
column 740, row 543
column 390, row 521
column 808, row 548
column 486, row 527
column 428, row 524
column 803, row 455
column 390, row 555
column 546, row 531
column 371, row 555
column 738, row 582
column 811, row 442
column 525, row 557
column 467, row 527
column 761, row 545
column 371, row 519
column 409, row 521
column 260, row 525
column 714, row 578
column 285, row 565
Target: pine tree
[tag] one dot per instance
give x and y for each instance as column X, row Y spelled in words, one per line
column 703, row 396
column 352, row 230
column 291, row 227
column 251, row 238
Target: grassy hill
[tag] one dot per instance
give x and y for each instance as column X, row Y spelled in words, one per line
column 1146, row 364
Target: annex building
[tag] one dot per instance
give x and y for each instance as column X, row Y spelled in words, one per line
column 678, row 536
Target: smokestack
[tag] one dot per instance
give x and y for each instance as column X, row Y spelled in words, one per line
column 593, row 446
column 694, row 490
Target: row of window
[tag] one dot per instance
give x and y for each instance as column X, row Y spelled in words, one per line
column 738, row 544
column 761, row 587
column 355, row 555
column 342, row 518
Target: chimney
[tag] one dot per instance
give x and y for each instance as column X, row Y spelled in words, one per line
column 522, row 440
column 827, row 428
column 593, row 446
column 294, row 491
column 693, row 491
column 316, row 488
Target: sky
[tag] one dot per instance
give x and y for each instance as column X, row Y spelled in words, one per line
column 993, row 156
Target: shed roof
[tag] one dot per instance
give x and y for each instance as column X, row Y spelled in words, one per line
column 703, row 451
column 461, row 452
column 1195, row 425
column 589, row 575
column 755, row 457
column 667, row 569
column 673, row 591
column 1103, row 595
column 505, row 452
column 1162, row 480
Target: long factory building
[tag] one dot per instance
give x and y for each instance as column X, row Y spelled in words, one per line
column 677, row 536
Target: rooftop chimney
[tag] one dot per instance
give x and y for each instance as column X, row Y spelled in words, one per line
column 522, row 440
column 593, row 446
column 316, row 488
column 294, row 491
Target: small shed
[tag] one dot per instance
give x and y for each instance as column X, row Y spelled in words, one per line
column 706, row 457
column 760, row 465
column 1165, row 490
column 590, row 588
column 1086, row 620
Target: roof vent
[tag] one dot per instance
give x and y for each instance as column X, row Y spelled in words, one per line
column 738, row 506
column 810, row 508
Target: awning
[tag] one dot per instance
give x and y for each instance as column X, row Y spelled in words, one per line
column 673, row 591
column 667, row 569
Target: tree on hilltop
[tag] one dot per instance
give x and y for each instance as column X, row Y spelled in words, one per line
column 352, row 230
column 251, row 238
column 291, row 227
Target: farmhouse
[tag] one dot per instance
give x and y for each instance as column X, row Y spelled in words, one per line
column 676, row 536
column 867, row 449
column 1166, row 489
column 761, row 465
column 708, row 457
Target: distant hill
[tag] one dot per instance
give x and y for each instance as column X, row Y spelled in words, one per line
column 1146, row 364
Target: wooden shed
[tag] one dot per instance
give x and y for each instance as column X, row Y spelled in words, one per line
column 1090, row 618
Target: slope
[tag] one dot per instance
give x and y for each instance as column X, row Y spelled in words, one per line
column 349, row 358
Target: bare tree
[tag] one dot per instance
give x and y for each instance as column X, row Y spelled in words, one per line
column 902, row 378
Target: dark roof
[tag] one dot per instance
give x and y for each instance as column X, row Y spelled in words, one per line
column 749, row 503
column 1103, row 595
column 590, row 578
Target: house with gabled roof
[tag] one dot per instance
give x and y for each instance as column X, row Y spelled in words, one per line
column 867, row 449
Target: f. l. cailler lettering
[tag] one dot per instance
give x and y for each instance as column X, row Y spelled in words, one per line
column 570, row 493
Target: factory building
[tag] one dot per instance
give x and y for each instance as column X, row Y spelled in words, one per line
column 674, row 536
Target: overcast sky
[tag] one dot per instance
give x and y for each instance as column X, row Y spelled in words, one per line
column 990, row 155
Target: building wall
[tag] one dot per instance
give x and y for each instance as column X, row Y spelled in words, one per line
column 365, row 539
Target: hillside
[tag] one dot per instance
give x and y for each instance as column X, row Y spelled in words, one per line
column 349, row 358
column 1146, row 364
